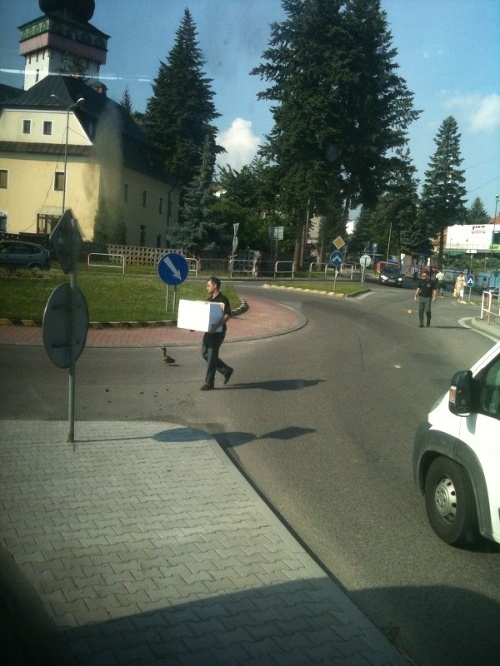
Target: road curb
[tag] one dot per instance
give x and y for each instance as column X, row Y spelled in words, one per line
column 322, row 292
column 36, row 323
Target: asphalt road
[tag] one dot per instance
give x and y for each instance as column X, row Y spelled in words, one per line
column 322, row 421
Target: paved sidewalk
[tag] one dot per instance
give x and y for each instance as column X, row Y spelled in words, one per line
column 142, row 544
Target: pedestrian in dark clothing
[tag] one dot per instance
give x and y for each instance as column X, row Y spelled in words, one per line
column 425, row 293
column 213, row 339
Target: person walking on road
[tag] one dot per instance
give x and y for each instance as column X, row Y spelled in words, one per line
column 440, row 281
column 459, row 288
column 425, row 293
column 213, row 339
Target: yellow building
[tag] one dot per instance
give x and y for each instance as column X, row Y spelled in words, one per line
column 64, row 144
column 111, row 167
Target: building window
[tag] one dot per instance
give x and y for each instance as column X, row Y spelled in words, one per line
column 4, row 180
column 3, row 222
column 142, row 242
column 26, row 126
column 160, row 205
column 46, row 223
column 144, row 198
column 125, row 192
column 47, row 127
column 59, row 181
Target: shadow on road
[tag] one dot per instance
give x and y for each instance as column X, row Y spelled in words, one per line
column 278, row 384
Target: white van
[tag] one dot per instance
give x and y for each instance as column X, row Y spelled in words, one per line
column 456, row 456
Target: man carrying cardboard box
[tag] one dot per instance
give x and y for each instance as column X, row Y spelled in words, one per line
column 213, row 339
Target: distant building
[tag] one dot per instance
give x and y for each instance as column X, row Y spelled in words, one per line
column 463, row 238
column 63, row 121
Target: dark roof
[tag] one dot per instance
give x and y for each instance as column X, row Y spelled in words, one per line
column 8, row 92
column 61, row 92
column 43, row 148
column 62, row 16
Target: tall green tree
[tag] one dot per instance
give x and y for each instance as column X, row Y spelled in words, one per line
column 180, row 113
column 126, row 101
column 201, row 232
column 339, row 108
column 109, row 226
column 477, row 213
column 395, row 216
column 362, row 237
column 238, row 203
column 247, row 197
column 443, row 194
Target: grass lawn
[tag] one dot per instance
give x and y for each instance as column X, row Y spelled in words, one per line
column 136, row 295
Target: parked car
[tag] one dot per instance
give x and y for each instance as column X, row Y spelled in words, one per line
column 20, row 254
column 456, row 456
column 391, row 275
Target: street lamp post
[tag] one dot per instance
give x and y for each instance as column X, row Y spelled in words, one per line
column 389, row 243
column 79, row 101
column 495, row 221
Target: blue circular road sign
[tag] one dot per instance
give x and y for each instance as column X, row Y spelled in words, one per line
column 173, row 268
column 337, row 258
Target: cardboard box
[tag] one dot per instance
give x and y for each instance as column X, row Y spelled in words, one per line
column 199, row 315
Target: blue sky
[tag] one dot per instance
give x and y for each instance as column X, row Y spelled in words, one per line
column 448, row 53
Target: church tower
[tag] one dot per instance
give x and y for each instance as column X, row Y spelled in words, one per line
column 62, row 41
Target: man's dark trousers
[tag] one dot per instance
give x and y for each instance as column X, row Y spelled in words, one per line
column 424, row 305
column 210, row 351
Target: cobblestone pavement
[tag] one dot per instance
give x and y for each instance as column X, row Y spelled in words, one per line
column 142, row 544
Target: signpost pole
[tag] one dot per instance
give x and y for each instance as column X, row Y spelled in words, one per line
column 66, row 317
column 72, row 364
column 470, row 283
column 365, row 260
column 173, row 270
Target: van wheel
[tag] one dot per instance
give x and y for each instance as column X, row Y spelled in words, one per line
column 449, row 501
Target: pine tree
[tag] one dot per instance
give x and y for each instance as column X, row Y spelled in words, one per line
column 362, row 237
column 395, row 217
column 247, row 198
column 340, row 110
column 201, row 232
column 180, row 113
column 477, row 213
column 443, row 195
column 126, row 101
column 103, row 223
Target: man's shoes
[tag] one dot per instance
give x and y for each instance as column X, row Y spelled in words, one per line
column 428, row 322
column 227, row 376
column 206, row 387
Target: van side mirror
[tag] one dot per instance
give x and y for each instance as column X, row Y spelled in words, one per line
column 460, row 397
